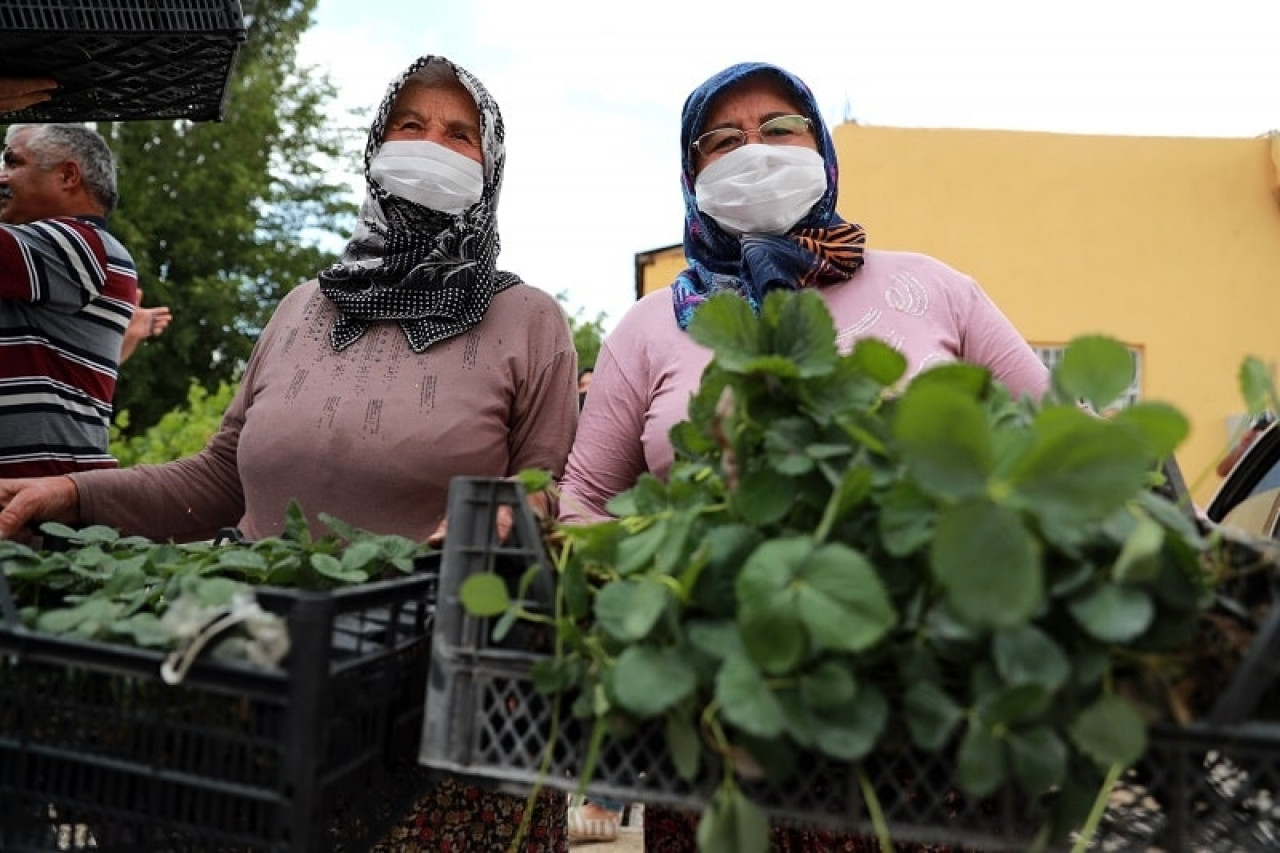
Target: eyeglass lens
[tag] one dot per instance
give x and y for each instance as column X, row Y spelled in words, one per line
column 780, row 129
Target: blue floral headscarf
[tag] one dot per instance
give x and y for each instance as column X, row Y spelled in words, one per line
column 821, row 249
column 434, row 273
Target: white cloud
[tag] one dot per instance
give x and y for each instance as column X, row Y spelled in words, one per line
column 591, row 93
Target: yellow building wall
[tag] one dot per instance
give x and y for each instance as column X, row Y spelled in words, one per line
column 658, row 268
column 1171, row 245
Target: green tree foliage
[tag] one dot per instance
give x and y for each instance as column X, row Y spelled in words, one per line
column 587, row 334
column 181, row 432
column 221, row 217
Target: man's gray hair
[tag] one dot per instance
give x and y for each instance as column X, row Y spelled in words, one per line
column 52, row 144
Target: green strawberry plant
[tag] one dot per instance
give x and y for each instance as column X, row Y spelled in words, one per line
column 844, row 559
column 116, row 588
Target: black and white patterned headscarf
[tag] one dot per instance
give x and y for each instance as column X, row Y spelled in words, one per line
column 433, row 272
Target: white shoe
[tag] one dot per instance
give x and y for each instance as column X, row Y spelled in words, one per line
column 589, row 822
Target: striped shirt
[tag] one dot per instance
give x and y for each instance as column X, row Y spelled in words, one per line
column 67, row 292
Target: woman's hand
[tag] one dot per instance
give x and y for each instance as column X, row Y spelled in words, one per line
column 25, row 503
column 504, row 522
column 17, row 93
column 504, row 519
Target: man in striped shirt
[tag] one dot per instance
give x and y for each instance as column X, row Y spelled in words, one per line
column 67, row 292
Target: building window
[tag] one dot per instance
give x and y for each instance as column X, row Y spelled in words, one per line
column 1052, row 355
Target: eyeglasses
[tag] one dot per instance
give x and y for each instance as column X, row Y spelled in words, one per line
column 783, row 130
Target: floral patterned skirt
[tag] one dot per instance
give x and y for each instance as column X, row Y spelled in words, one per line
column 453, row 817
column 669, row 830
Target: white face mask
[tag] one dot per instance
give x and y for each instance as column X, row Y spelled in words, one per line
column 761, row 189
column 428, row 174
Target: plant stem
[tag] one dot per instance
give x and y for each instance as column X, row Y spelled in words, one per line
column 1099, row 807
column 873, row 808
column 548, row 753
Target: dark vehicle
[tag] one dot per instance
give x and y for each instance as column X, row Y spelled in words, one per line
column 1249, row 497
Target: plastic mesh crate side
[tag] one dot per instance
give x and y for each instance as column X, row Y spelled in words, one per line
column 459, row 735
column 120, row 61
column 375, row 654
column 1201, row 787
column 475, row 545
column 123, row 756
column 310, row 655
column 466, row 663
column 232, row 758
column 1211, row 786
column 410, row 623
column 1247, row 599
column 486, row 722
column 127, row 16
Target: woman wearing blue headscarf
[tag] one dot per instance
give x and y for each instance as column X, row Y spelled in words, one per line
column 759, row 177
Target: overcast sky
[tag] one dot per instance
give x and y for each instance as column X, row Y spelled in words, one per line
column 591, row 91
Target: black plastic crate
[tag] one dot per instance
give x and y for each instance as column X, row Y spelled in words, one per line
column 1210, row 786
column 120, row 60
column 487, row 722
column 1200, row 788
column 97, row 752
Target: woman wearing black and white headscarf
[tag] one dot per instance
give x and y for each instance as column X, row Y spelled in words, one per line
column 424, row 249
column 411, row 361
